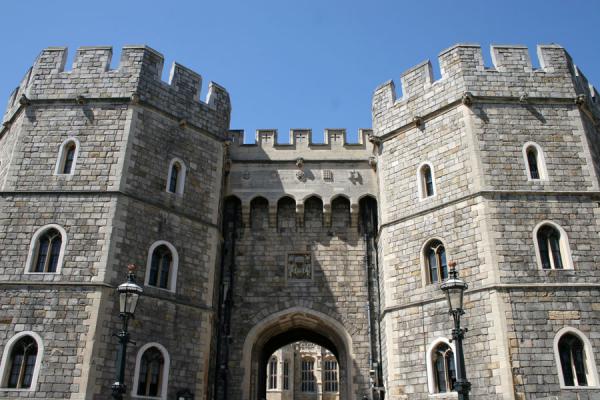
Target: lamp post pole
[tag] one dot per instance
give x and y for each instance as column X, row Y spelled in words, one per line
column 454, row 288
column 129, row 293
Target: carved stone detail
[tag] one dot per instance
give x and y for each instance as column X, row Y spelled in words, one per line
column 299, row 266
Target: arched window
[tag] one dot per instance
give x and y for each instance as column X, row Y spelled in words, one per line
column 441, row 366
column 272, row 373
column 575, row 359
column 67, row 157
column 46, row 250
column 162, row 266
column 434, row 254
column 534, row 162
column 21, row 361
column 151, row 372
column 286, row 375
column 330, row 375
column 444, row 370
column 308, row 381
column 176, row 178
column 552, row 246
column 425, row 181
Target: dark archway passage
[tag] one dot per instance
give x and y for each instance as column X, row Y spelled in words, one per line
column 283, row 339
column 288, row 326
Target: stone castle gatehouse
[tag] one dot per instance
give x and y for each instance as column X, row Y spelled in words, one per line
column 244, row 249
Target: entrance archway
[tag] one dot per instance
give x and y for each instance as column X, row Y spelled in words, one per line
column 288, row 326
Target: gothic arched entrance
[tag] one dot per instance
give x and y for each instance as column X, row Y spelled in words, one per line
column 289, row 326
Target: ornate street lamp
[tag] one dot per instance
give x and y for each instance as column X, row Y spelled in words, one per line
column 129, row 293
column 454, row 288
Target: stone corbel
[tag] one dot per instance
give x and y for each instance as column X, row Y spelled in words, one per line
column 418, row 120
column 467, row 99
column 24, row 100
column 373, row 163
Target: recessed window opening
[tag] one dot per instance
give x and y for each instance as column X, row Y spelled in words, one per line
column 574, row 357
column 48, row 251
column 425, row 181
column 535, row 163
column 67, row 157
column 573, row 360
column 22, row 363
column 444, row 368
column 151, row 373
column 435, row 261
column 549, row 245
column 534, row 172
column 161, row 267
column 176, row 177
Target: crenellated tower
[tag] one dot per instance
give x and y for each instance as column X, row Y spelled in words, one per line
column 113, row 166
column 496, row 169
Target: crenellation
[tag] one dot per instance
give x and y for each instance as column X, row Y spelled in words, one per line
column 335, row 145
column 417, row 79
column 138, row 73
column 462, row 70
column 186, row 81
column 92, row 59
column 511, row 59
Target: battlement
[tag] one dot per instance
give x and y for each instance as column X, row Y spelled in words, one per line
column 462, row 70
column 267, row 147
column 138, row 76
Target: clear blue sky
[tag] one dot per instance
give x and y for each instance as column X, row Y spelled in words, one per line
column 296, row 64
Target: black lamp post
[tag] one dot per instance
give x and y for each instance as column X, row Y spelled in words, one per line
column 454, row 287
column 129, row 292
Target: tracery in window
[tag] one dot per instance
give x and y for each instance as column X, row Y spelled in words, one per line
column 47, row 251
column 151, row 373
column 444, row 371
column 22, row 361
column 434, row 254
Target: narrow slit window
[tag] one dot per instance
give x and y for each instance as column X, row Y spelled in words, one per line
column 69, row 158
column 532, row 161
column 426, row 181
column 175, row 170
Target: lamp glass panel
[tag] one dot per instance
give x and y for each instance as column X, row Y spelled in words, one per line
column 455, row 298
